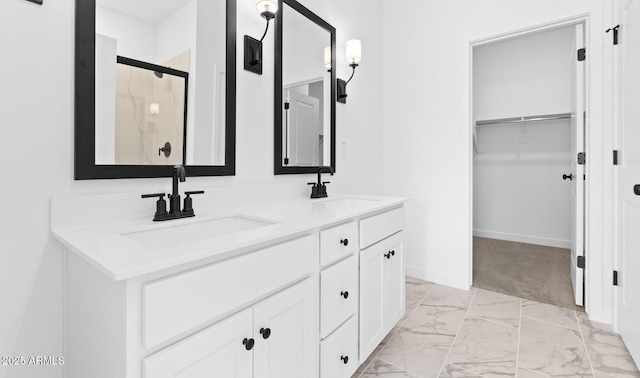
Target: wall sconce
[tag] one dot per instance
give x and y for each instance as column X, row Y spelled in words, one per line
column 253, row 47
column 327, row 58
column 354, row 55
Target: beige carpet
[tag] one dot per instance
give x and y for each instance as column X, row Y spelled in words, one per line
column 523, row 270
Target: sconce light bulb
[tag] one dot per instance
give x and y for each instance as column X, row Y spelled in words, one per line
column 354, row 51
column 267, row 8
column 327, row 57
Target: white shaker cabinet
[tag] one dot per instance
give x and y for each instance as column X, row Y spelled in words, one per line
column 310, row 297
column 381, row 281
column 339, row 301
column 285, row 329
column 224, row 349
column 271, row 339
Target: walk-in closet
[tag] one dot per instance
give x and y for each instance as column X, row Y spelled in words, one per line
column 528, row 107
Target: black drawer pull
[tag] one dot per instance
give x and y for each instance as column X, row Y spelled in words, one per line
column 248, row 343
column 345, row 294
column 345, row 359
column 344, row 241
column 265, row 332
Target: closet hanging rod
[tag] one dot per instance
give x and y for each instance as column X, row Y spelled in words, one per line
column 547, row 117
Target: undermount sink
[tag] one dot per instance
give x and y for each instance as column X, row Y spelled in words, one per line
column 345, row 201
column 174, row 235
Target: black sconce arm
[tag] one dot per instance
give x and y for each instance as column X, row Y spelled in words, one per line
column 354, row 65
column 342, row 85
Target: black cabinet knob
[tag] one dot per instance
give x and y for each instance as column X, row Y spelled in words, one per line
column 248, row 343
column 344, row 242
column 636, row 189
column 345, row 359
column 387, row 255
column 265, row 332
column 345, row 294
column 569, row 176
column 393, row 253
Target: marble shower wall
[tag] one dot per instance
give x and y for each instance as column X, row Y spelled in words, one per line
column 139, row 134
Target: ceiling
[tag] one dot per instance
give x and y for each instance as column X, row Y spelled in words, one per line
column 152, row 11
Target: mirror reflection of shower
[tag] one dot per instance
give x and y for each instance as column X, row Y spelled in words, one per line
column 150, row 111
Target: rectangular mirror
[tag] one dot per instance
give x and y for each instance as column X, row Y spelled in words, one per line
column 155, row 87
column 305, row 91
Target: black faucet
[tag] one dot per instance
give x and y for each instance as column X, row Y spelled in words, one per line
column 179, row 175
column 319, row 189
column 174, row 200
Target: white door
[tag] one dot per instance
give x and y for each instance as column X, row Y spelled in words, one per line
column 628, row 204
column 577, row 170
column 217, row 351
column 304, row 130
column 371, row 303
column 286, row 334
column 393, row 283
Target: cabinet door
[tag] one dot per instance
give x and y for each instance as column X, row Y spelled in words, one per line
column 371, row 303
column 393, row 281
column 216, row 351
column 381, row 291
column 286, row 332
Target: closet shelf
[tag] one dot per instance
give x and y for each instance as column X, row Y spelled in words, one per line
column 520, row 120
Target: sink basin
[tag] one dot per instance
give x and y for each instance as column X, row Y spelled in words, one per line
column 344, row 202
column 172, row 236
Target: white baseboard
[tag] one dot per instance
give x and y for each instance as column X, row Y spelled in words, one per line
column 549, row 242
column 435, row 277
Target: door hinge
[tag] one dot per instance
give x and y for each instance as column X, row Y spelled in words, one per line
column 615, row 33
column 581, row 262
column 582, row 158
column 615, row 157
column 582, row 54
column 615, row 278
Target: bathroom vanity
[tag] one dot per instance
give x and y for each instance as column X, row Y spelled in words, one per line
column 290, row 288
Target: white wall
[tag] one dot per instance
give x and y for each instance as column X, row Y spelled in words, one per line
column 427, row 128
column 37, row 117
column 303, row 51
column 136, row 38
column 518, row 190
column 528, row 75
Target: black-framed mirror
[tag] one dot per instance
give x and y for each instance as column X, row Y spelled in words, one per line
column 197, row 38
column 305, row 93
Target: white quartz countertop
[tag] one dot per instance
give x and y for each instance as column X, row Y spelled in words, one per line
column 115, row 249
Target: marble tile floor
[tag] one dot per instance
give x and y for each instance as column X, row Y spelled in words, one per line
column 452, row 333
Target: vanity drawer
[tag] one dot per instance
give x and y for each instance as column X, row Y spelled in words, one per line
column 337, row 282
column 340, row 346
column 176, row 304
column 337, row 242
column 378, row 227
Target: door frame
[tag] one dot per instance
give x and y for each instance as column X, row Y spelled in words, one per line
column 576, row 20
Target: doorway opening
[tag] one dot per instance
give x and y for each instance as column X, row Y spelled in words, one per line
column 528, row 185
